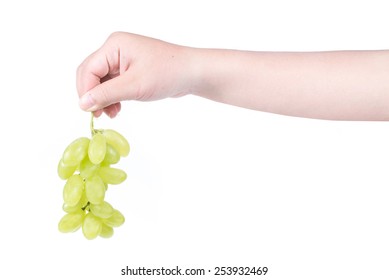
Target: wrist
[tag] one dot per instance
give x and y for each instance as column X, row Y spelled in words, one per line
column 198, row 69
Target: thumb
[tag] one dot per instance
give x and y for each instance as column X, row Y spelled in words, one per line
column 109, row 92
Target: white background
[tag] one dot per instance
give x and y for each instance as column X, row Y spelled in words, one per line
column 208, row 184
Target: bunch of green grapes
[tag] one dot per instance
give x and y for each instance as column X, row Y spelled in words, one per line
column 86, row 165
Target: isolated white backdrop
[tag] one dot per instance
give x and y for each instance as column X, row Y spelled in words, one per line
column 208, row 184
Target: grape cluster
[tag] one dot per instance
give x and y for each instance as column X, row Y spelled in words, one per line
column 86, row 165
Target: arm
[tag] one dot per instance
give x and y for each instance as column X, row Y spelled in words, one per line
column 344, row 85
column 347, row 85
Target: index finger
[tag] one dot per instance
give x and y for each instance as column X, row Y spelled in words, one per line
column 91, row 71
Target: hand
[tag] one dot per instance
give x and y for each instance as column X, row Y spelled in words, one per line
column 131, row 67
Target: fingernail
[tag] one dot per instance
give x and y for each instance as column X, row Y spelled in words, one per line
column 87, row 102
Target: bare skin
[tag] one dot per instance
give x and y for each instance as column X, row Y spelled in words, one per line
column 337, row 85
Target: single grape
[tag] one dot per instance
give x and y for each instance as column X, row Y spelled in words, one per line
column 97, row 148
column 76, row 151
column 65, row 171
column 81, row 204
column 117, row 141
column 71, row 222
column 103, row 210
column 91, row 226
column 87, row 168
column 106, row 231
column 111, row 175
column 111, row 156
column 73, row 190
column 71, row 209
column 116, row 219
column 95, row 190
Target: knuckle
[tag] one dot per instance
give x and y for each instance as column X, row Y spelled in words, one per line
column 115, row 35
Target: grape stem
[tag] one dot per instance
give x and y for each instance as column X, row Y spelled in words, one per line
column 92, row 128
column 83, row 208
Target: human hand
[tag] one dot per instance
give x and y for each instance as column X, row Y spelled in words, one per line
column 131, row 67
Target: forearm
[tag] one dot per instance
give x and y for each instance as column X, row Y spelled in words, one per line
column 344, row 85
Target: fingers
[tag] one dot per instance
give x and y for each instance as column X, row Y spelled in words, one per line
column 95, row 70
column 126, row 67
column 97, row 113
column 112, row 110
column 108, row 93
column 91, row 71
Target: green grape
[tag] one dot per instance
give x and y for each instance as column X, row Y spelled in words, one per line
column 106, row 231
column 76, row 151
column 87, row 168
column 103, row 210
column 81, row 204
column 117, row 141
column 97, row 148
column 95, row 190
column 65, row 171
column 111, row 156
column 111, row 175
column 71, row 209
column 116, row 219
column 71, row 222
column 84, row 192
column 73, row 190
column 91, row 226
